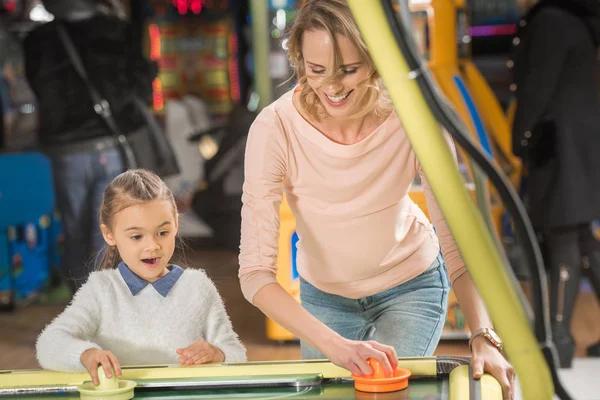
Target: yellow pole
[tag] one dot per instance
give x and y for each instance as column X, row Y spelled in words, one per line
column 468, row 227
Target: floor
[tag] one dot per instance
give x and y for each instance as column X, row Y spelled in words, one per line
column 18, row 331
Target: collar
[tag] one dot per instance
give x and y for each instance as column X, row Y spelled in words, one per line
column 162, row 285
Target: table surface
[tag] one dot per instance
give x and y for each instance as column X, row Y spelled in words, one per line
column 418, row 389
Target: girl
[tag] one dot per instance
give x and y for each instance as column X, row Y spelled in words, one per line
column 138, row 308
column 369, row 260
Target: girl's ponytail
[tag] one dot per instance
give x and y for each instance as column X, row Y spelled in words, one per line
column 110, row 259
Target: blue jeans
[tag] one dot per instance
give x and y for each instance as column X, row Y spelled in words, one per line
column 409, row 317
column 79, row 181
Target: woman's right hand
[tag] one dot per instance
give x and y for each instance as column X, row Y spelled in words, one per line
column 353, row 355
column 91, row 358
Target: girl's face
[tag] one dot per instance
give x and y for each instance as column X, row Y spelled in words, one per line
column 340, row 96
column 145, row 237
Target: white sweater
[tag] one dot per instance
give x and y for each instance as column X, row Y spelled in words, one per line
column 139, row 330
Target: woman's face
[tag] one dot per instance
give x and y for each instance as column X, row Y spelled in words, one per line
column 341, row 96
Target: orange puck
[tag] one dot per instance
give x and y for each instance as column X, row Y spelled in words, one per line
column 378, row 383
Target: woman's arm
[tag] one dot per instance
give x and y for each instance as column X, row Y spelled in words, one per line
column 471, row 304
column 265, row 169
column 282, row 308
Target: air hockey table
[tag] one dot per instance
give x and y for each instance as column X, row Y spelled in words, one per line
column 431, row 378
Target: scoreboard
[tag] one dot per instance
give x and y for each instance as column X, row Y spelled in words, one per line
column 195, row 44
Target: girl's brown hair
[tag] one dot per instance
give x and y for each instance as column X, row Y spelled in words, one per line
column 335, row 18
column 132, row 187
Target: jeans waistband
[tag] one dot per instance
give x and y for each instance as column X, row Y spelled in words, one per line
column 96, row 144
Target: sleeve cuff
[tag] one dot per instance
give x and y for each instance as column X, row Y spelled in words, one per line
column 77, row 350
column 457, row 274
column 254, row 281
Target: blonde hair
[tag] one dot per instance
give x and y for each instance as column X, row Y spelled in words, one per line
column 335, row 18
column 133, row 187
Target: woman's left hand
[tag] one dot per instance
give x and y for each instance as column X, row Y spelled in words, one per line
column 200, row 352
column 487, row 358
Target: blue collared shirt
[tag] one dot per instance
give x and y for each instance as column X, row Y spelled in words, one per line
column 162, row 285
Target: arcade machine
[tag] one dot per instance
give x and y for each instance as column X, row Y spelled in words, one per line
column 30, row 232
column 442, row 36
column 494, row 120
column 493, row 24
column 196, row 46
column 486, row 101
column 25, row 236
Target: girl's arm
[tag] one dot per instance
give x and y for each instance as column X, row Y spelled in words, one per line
column 218, row 329
column 61, row 344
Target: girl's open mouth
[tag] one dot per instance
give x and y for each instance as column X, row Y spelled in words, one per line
column 151, row 262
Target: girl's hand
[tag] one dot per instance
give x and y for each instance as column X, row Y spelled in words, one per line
column 487, row 358
column 91, row 358
column 200, row 352
column 353, row 355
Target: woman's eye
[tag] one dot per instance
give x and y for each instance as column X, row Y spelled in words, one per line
column 136, row 237
column 318, row 71
column 163, row 233
column 349, row 71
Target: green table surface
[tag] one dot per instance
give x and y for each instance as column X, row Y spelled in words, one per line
column 419, row 389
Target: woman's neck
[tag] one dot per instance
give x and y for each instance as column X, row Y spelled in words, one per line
column 344, row 131
column 347, row 131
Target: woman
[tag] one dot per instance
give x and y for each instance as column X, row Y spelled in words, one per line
column 369, row 259
column 556, row 133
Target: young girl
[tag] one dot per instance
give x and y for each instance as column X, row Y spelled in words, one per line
column 138, row 308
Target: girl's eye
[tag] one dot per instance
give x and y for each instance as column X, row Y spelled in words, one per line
column 163, row 233
column 136, row 237
column 318, row 71
column 350, row 71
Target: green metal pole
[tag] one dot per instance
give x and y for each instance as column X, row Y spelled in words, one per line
column 260, row 46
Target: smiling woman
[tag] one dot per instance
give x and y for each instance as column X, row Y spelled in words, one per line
column 373, row 282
